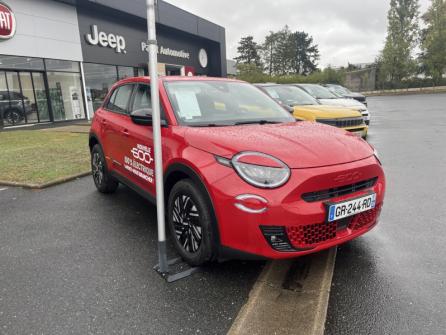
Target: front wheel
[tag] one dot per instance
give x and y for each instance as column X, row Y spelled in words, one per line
column 190, row 222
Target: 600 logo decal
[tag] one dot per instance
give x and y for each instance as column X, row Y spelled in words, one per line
column 141, row 155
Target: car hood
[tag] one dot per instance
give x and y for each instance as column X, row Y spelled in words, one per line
column 343, row 102
column 326, row 111
column 298, row 144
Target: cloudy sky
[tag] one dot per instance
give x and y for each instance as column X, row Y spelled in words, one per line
column 345, row 30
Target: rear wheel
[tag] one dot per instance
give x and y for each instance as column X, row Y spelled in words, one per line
column 13, row 116
column 190, row 222
column 104, row 182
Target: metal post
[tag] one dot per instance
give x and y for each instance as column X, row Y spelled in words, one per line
column 153, row 72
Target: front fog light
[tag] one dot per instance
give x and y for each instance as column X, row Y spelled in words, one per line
column 274, row 173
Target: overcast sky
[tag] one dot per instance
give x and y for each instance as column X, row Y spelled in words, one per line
column 345, row 30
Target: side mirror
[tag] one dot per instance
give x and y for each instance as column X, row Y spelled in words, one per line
column 143, row 117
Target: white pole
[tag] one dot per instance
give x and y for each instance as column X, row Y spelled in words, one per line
column 153, row 72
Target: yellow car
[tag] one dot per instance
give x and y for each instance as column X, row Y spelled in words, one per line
column 305, row 107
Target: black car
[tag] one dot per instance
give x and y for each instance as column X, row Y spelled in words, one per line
column 13, row 107
column 346, row 93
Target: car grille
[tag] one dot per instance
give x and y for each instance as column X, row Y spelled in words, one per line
column 339, row 191
column 365, row 219
column 343, row 123
column 310, row 236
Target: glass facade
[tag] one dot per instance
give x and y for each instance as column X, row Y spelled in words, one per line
column 65, row 91
column 36, row 90
column 99, row 78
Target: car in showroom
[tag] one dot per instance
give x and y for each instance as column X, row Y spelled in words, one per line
column 326, row 97
column 14, row 107
column 346, row 93
column 242, row 177
column 305, row 107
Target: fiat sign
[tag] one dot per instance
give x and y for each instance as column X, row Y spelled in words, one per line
column 7, row 22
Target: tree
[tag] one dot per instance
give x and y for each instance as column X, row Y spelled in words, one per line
column 285, row 52
column 433, row 41
column 304, row 53
column 402, row 33
column 248, row 51
column 268, row 52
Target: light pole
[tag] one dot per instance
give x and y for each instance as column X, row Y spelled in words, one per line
column 157, row 147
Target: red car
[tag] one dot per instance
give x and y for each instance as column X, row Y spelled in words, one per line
column 243, row 179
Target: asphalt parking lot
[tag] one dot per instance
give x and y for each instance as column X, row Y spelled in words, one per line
column 392, row 281
column 73, row 261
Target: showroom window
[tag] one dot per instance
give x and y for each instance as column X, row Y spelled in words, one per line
column 65, row 90
column 99, row 78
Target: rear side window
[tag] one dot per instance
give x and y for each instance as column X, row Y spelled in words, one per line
column 120, row 98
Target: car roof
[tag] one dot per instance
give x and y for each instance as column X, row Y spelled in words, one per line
column 146, row 79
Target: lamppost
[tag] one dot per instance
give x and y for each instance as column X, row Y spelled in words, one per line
column 157, row 147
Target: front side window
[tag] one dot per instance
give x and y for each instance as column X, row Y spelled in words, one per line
column 120, row 98
column 142, row 98
column 222, row 103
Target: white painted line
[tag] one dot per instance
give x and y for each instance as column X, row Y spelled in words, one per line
column 289, row 297
column 3, row 189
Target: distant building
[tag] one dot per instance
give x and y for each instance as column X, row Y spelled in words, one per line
column 231, row 66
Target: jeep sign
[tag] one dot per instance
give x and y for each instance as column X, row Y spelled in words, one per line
column 105, row 40
column 7, row 22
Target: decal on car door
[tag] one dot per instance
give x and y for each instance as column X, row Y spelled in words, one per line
column 140, row 162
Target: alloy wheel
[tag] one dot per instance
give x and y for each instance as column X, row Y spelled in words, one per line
column 97, row 169
column 186, row 220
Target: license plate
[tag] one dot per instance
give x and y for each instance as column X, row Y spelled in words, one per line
column 351, row 207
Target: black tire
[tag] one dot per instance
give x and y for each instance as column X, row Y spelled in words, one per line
column 13, row 116
column 104, row 182
column 189, row 217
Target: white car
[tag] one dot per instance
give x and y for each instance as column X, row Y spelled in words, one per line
column 326, row 97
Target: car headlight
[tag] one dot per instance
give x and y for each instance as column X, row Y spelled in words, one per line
column 271, row 173
column 375, row 153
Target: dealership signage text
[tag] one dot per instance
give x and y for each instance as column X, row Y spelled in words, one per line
column 100, row 38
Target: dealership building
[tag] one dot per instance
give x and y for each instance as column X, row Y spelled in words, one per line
column 58, row 58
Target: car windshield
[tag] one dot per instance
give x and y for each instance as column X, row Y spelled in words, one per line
column 222, row 103
column 339, row 89
column 319, row 92
column 290, row 95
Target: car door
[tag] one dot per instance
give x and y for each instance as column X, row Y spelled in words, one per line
column 115, row 121
column 139, row 158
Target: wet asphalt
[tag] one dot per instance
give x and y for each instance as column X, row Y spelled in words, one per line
column 73, row 261
column 392, row 280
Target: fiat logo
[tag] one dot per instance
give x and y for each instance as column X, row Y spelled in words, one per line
column 7, row 22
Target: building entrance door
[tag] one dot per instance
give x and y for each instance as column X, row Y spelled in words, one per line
column 23, row 98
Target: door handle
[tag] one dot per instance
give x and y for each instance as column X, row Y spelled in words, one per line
column 103, row 121
column 126, row 132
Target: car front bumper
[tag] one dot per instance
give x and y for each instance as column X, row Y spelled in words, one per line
column 291, row 226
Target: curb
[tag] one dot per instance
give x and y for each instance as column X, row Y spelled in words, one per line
column 289, row 297
column 49, row 184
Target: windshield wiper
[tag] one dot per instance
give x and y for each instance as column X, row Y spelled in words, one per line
column 256, row 122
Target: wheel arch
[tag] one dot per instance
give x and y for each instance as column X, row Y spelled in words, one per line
column 180, row 171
